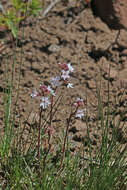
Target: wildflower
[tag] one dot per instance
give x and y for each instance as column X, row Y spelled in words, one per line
column 55, row 81
column 34, row 94
column 70, row 68
column 63, row 66
column 70, row 85
column 66, row 67
column 80, row 113
column 44, row 102
column 79, row 102
column 65, row 74
column 44, row 89
column 51, row 90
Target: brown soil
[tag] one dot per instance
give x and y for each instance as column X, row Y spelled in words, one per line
column 70, row 34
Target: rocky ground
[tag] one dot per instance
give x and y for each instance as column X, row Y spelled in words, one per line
column 75, row 35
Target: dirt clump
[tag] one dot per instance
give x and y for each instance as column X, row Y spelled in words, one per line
column 112, row 12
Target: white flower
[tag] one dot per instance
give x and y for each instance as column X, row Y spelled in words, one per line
column 51, row 91
column 65, row 74
column 55, row 81
column 79, row 102
column 44, row 102
column 80, row 113
column 71, row 69
column 70, row 85
column 34, row 94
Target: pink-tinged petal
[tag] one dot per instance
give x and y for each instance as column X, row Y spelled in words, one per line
column 63, row 66
column 79, row 102
column 44, row 89
column 75, row 104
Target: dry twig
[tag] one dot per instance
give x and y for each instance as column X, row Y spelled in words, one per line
column 48, row 9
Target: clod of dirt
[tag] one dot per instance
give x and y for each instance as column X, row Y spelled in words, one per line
column 122, row 41
column 112, row 12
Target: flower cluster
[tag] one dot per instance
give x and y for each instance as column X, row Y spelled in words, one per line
column 79, row 112
column 44, row 91
column 66, row 69
column 48, row 91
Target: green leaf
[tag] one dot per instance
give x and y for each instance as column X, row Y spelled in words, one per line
column 2, row 17
column 12, row 28
column 35, row 7
column 17, row 4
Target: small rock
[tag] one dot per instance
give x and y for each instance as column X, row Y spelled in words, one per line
column 124, row 52
column 113, row 73
column 122, row 41
column 91, row 84
column 54, row 48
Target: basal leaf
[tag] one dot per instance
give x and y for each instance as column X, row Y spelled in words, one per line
column 12, row 28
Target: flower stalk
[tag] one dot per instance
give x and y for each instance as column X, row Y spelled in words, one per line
column 49, row 131
column 39, row 133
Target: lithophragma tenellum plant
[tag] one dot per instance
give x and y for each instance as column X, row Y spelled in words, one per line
column 47, row 97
